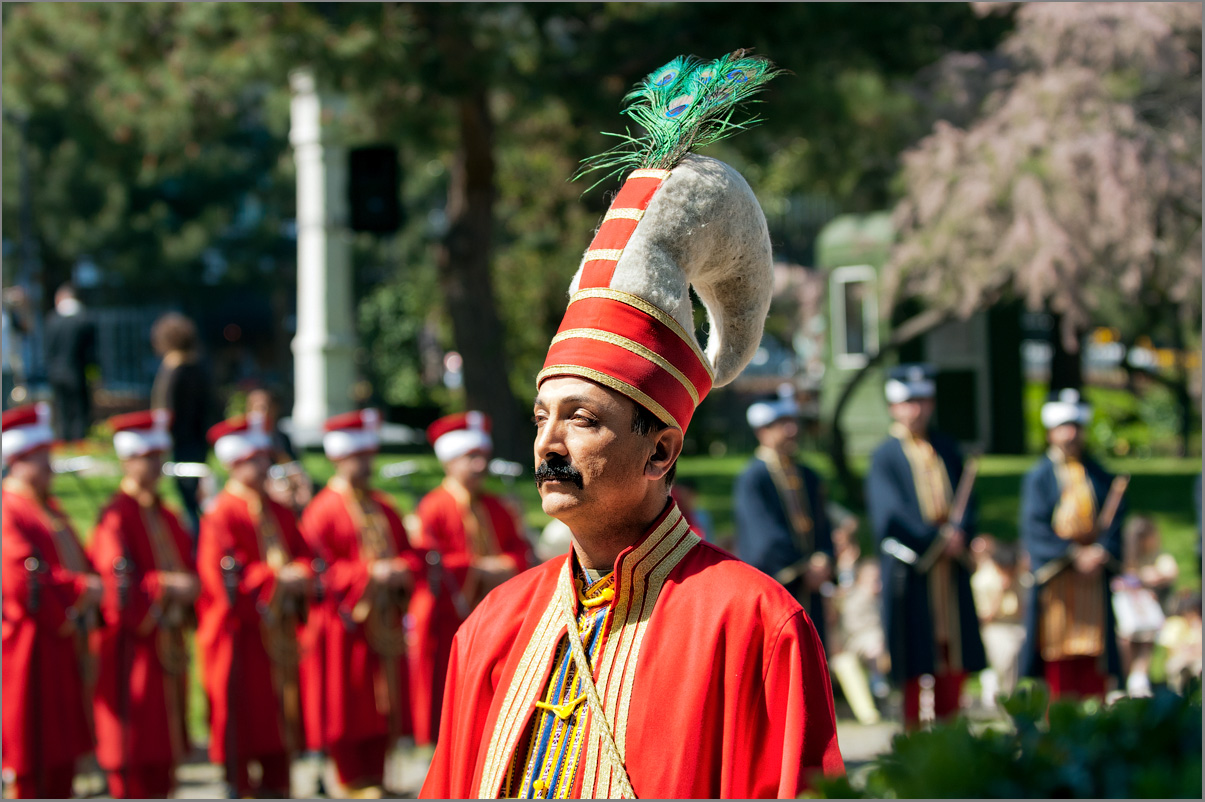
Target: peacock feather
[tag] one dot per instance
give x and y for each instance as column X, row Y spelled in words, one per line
column 687, row 104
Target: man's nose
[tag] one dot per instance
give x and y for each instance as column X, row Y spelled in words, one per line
column 549, row 440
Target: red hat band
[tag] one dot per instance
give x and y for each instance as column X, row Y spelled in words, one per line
column 625, row 343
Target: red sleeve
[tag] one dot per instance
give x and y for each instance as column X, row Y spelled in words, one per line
column 346, row 574
column 106, row 549
column 509, row 530
column 800, row 734
column 452, row 773
column 58, row 588
column 256, row 579
column 437, row 515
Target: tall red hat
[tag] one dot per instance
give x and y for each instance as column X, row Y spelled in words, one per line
column 679, row 221
column 454, row 435
column 26, row 429
column 352, row 433
column 137, row 434
column 239, row 437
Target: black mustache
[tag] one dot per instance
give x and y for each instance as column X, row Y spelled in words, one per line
column 559, row 471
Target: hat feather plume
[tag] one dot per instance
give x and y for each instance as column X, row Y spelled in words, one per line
column 687, row 104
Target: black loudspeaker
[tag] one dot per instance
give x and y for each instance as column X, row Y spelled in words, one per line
column 374, row 179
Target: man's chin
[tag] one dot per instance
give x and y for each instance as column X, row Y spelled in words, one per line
column 559, row 497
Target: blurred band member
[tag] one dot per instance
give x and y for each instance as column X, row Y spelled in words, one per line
column 479, row 545
column 1070, row 637
column 255, row 584
column 358, row 682
column 928, row 609
column 782, row 524
column 144, row 555
column 50, row 594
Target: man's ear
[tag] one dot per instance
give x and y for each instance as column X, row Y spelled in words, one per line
column 667, row 446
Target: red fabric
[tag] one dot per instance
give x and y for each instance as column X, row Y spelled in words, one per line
column 617, row 317
column 731, row 694
column 145, row 419
column 457, row 421
column 20, row 416
column 356, row 419
column 1075, row 676
column 146, row 782
column 56, row 784
column 43, row 693
column 614, row 234
column 340, row 670
column 947, row 692
column 229, row 528
column 435, row 617
column 128, row 647
column 360, row 763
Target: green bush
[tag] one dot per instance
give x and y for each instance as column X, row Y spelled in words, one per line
column 1135, row 748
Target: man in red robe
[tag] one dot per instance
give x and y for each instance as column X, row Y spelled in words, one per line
column 50, row 595
column 255, row 583
column 473, row 543
column 645, row 663
column 356, row 675
column 144, row 555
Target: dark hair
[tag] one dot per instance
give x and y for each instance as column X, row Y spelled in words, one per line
column 173, row 332
column 646, row 423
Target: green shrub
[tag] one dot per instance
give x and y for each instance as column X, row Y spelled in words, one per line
column 1135, row 748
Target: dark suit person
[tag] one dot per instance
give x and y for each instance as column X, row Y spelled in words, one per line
column 70, row 349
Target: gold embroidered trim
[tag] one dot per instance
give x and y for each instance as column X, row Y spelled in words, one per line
column 615, row 384
column 603, row 255
column 623, row 214
column 619, row 671
column 636, row 348
column 636, row 302
column 525, row 686
column 649, row 173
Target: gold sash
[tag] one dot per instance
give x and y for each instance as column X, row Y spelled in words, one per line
column 793, row 494
column 1073, row 604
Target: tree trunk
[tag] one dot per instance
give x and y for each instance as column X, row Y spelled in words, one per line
column 464, row 265
column 1066, row 365
column 912, row 328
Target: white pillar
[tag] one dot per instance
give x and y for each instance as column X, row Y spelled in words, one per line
column 324, row 346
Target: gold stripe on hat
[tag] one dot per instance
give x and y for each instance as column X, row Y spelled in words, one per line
column 623, row 214
column 635, row 348
column 662, row 174
column 603, row 255
column 615, row 384
column 652, row 311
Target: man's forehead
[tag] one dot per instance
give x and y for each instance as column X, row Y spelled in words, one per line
column 572, row 390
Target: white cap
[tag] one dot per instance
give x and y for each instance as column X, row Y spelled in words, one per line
column 1066, row 408
column 908, row 382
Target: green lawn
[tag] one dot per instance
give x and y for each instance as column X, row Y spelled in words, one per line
column 1160, row 487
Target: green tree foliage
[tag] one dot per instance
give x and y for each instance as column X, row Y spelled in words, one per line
column 159, row 134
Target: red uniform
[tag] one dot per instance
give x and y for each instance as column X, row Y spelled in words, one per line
column 711, row 675
column 249, row 651
column 143, row 677
column 46, row 725
column 458, row 531
column 356, row 677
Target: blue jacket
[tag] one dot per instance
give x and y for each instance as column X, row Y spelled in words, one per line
column 1039, row 496
column 894, row 511
column 764, row 537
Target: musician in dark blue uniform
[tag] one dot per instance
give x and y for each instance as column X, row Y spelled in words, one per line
column 1070, row 638
column 928, row 610
column 781, row 524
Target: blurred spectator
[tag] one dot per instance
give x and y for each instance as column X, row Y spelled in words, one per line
column 182, row 385
column 1181, row 636
column 1140, row 595
column 16, row 326
column 998, row 601
column 686, row 494
column 857, row 644
column 70, row 350
column 288, row 483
